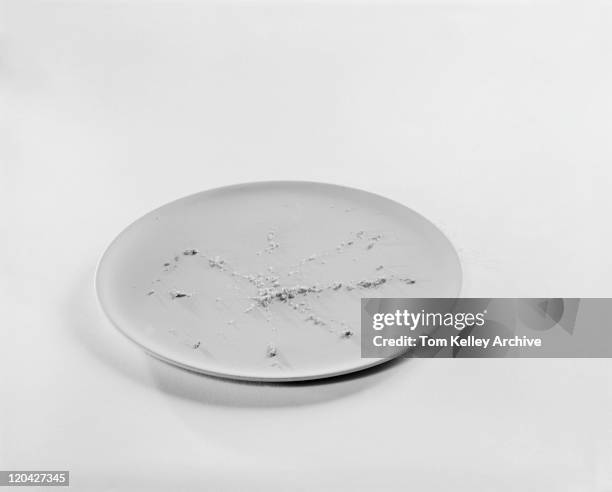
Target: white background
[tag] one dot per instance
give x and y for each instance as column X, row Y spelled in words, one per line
column 492, row 120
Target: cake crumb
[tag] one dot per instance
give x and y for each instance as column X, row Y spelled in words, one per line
column 316, row 320
column 271, row 350
column 177, row 294
column 216, row 262
column 368, row 284
column 272, row 244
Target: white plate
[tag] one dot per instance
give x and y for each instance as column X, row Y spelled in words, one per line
column 263, row 281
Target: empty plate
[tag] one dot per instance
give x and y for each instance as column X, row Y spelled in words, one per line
column 263, row 281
